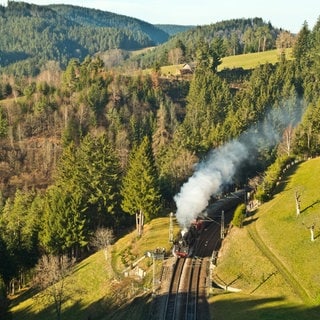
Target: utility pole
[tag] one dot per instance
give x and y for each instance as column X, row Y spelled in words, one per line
column 171, row 228
column 222, row 225
column 157, row 254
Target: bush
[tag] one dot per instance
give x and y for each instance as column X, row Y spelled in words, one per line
column 271, row 177
column 239, row 215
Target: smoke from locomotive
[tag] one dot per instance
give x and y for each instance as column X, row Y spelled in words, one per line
column 208, row 179
column 220, row 166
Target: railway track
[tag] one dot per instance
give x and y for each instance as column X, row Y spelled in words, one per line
column 172, row 301
column 193, row 291
column 186, row 297
column 182, row 299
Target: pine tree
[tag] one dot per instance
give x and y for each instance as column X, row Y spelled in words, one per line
column 64, row 222
column 302, row 46
column 92, row 171
column 99, row 174
column 140, row 190
column 209, row 100
column 19, row 224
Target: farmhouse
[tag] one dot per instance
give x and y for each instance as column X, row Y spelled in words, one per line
column 188, row 68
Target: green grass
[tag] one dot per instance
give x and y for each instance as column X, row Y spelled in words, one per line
column 265, row 259
column 252, row 60
column 245, row 61
column 95, row 288
column 86, row 291
column 274, row 256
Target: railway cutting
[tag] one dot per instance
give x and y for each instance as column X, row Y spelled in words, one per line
column 186, row 279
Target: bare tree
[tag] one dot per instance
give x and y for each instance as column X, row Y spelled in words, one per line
column 175, row 55
column 297, row 198
column 287, row 140
column 311, row 228
column 102, row 239
column 139, row 222
column 284, row 40
column 51, row 272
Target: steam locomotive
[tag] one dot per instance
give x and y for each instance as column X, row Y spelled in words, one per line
column 183, row 246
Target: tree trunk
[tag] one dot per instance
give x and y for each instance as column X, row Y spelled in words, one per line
column 312, row 232
column 139, row 222
column 264, row 43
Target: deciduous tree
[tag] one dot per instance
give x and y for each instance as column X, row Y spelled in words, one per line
column 50, row 277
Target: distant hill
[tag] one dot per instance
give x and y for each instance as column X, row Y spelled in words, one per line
column 230, row 37
column 98, row 18
column 173, row 29
column 32, row 35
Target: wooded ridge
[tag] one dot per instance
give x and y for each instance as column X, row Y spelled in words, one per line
column 33, row 35
column 87, row 146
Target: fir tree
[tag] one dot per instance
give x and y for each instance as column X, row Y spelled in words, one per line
column 140, row 190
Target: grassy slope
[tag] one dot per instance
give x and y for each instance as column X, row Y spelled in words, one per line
column 283, row 280
column 252, row 60
column 94, row 287
column 245, row 61
column 267, row 292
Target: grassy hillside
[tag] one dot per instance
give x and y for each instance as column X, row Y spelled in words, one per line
column 245, row 61
column 97, row 288
column 272, row 259
column 252, row 60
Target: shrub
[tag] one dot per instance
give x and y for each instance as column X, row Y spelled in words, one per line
column 239, row 215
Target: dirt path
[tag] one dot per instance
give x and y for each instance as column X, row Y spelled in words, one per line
column 290, row 279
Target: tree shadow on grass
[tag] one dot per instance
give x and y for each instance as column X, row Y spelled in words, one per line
column 232, row 308
column 310, row 206
column 261, row 309
column 249, row 221
column 76, row 310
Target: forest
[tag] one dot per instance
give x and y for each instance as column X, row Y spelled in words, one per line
column 33, row 36
column 89, row 147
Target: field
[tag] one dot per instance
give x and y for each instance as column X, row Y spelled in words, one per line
column 97, row 285
column 272, row 258
column 245, row 61
column 252, row 60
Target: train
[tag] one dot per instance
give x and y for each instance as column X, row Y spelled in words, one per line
column 183, row 246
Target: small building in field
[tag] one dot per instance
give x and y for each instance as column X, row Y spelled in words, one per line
column 187, row 68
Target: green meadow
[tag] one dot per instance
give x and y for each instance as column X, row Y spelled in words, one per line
column 272, row 258
column 245, row 61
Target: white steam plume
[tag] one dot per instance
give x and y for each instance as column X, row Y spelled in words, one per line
column 209, row 177
column 221, row 164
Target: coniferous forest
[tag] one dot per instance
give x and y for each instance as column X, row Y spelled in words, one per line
column 85, row 146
